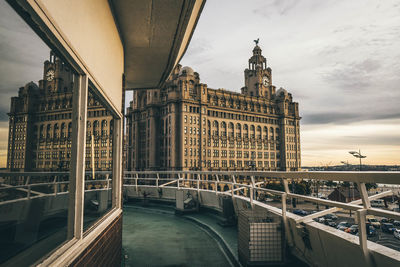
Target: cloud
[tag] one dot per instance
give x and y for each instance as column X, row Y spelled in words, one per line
column 346, row 117
column 22, row 54
column 355, row 76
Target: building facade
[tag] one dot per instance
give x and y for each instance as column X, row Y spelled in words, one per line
column 40, row 124
column 187, row 126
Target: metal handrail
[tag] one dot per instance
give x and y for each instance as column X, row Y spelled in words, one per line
column 350, row 176
column 31, row 194
column 361, row 207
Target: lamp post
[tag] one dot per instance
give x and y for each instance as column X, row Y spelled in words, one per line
column 346, row 163
column 358, row 155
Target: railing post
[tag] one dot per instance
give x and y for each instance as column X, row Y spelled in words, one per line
column 235, row 182
column 179, row 179
column 285, row 221
column 233, row 186
column 251, row 197
column 29, row 192
column 216, row 184
column 198, row 184
column 158, row 178
column 136, row 181
column 285, row 186
column 364, row 195
column 55, row 185
column 108, row 181
column 362, row 230
column 253, row 186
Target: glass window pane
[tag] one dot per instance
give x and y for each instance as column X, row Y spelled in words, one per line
column 35, row 151
column 98, row 159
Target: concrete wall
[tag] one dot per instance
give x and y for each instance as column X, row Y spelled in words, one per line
column 89, row 29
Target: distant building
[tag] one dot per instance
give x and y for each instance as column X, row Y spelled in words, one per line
column 344, row 194
column 40, row 124
column 187, row 126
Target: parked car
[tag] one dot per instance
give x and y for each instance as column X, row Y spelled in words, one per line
column 396, row 233
column 377, row 203
column 371, row 231
column 352, row 229
column 331, row 216
column 396, row 223
column 373, row 221
column 388, row 227
column 343, row 224
column 330, row 222
column 300, row 212
column 319, row 219
column 385, row 220
column 342, row 228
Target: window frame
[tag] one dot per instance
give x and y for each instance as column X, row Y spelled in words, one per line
column 34, row 14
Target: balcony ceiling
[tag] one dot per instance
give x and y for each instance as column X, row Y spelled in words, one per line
column 155, row 35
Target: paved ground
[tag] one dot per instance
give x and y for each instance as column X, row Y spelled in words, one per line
column 151, row 239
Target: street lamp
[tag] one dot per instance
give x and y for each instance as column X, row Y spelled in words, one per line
column 358, row 155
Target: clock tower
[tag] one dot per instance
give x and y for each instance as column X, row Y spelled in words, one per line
column 57, row 77
column 258, row 77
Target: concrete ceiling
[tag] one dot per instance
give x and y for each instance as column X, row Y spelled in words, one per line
column 155, row 35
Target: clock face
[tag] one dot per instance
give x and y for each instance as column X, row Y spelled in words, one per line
column 265, row 81
column 50, row 75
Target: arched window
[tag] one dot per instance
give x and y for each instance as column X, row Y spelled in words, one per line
column 231, row 129
column 252, row 131
column 103, row 127
column 258, row 132
column 223, row 128
column 41, row 134
column 246, row 131
column 111, row 127
column 48, row 131
column 62, row 130
column 69, row 129
column 56, row 130
column 209, row 127
column 96, row 128
column 216, row 128
column 265, row 132
column 238, row 130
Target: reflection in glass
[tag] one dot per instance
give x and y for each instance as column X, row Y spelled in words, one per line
column 98, row 163
column 34, row 187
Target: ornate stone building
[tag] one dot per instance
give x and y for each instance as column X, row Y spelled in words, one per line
column 187, row 126
column 40, row 124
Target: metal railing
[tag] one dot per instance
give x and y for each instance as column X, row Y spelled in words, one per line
column 30, row 185
column 252, row 181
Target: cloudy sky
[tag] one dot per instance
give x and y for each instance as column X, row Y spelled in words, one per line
column 22, row 54
column 339, row 59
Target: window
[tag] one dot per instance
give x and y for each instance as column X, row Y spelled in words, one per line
column 216, row 153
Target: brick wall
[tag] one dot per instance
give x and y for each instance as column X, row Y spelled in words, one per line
column 105, row 250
